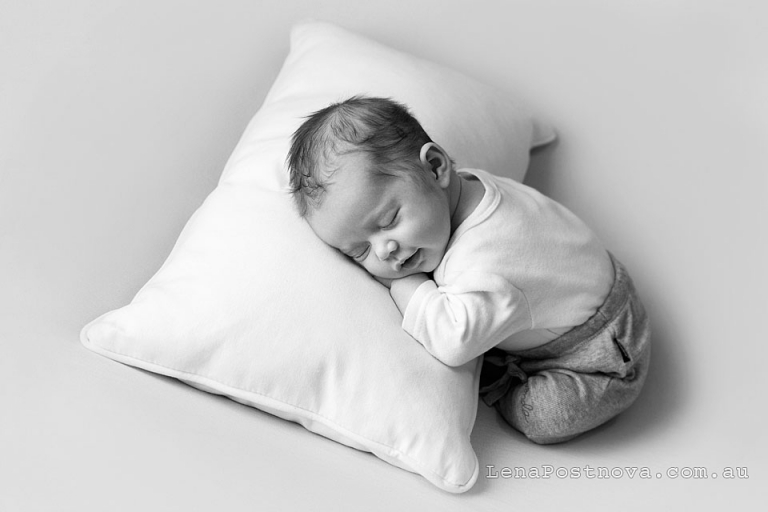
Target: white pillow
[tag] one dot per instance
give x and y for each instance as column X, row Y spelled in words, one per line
column 251, row 305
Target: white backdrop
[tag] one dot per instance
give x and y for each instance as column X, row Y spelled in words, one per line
column 116, row 118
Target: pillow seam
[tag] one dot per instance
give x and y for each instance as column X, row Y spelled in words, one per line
column 325, row 419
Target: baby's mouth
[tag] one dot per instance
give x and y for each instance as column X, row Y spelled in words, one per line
column 412, row 262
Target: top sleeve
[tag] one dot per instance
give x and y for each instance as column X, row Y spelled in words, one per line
column 458, row 322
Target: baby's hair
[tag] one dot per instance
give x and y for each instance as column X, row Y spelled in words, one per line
column 381, row 128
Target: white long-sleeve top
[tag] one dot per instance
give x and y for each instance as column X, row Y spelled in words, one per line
column 520, row 271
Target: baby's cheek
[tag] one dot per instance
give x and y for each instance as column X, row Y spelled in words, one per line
column 371, row 267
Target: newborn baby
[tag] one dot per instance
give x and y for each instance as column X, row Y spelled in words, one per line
column 477, row 265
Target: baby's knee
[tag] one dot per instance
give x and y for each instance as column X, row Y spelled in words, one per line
column 550, row 409
column 542, row 419
column 551, row 438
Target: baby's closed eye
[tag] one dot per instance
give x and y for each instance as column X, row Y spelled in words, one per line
column 358, row 254
column 391, row 220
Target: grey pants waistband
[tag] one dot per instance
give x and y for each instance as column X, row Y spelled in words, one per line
column 619, row 294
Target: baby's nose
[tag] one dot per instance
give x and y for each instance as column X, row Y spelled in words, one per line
column 384, row 250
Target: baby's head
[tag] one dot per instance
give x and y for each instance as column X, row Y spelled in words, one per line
column 372, row 184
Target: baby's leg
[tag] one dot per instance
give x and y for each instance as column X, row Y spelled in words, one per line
column 556, row 405
column 582, row 379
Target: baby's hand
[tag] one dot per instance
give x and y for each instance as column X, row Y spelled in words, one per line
column 403, row 289
column 383, row 280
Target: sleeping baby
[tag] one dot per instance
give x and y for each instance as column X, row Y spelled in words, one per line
column 478, row 265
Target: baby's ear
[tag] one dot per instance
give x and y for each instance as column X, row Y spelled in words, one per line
column 437, row 161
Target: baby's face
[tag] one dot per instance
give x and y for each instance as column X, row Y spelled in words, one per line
column 391, row 226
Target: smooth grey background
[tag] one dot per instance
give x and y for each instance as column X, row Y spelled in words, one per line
column 116, row 118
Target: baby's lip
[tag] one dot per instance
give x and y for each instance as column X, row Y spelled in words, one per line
column 410, row 262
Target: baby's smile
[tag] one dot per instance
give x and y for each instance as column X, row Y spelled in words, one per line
column 412, row 261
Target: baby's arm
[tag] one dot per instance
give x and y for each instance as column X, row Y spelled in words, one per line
column 458, row 322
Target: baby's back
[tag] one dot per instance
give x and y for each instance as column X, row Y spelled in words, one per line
column 541, row 248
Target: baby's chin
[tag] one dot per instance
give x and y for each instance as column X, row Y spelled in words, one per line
column 397, row 275
column 403, row 273
column 420, row 262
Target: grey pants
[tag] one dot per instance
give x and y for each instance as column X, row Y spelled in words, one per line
column 578, row 381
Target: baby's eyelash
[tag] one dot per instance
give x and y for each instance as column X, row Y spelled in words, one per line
column 393, row 221
column 359, row 256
